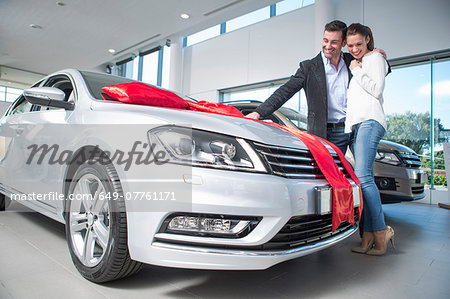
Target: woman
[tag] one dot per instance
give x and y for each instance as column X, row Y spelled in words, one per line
column 366, row 120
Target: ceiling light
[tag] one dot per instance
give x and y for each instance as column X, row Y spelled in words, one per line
column 34, row 26
column 185, row 16
column 112, row 51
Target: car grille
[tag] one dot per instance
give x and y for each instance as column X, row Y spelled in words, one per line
column 293, row 163
column 411, row 160
column 306, row 230
column 417, row 190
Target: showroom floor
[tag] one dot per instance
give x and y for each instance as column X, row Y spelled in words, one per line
column 35, row 263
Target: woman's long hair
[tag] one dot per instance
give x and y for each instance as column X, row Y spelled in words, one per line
column 357, row 28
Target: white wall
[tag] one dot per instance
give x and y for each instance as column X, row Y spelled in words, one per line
column 271, row 49
column 264, row 51
column 411, row 27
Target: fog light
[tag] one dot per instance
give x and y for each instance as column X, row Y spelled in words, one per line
column 207, row 225
column 384, row 183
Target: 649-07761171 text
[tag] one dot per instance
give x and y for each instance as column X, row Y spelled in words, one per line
column 137, row 196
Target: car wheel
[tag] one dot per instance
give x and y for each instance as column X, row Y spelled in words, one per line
column 96, row 224
column 4, row 202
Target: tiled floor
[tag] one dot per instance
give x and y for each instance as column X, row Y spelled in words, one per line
column 35, row 263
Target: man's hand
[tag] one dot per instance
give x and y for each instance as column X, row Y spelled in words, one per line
column 381, row 51
column 355, row 63
column 254, row 115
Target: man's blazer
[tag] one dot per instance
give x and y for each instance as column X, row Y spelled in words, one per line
column 311, row 77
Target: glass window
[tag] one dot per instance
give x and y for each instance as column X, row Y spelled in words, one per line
column 21, row 106
column 441, row 92
column 96, row 81
column 2, row 93
column 131, row 69
column 261, row 94
column 407, row 107
column 248, row 19
column 203, row 35
column 307, row 2
column 150, row 68
column 287, row 6
column 166, row 68
column 9, row 94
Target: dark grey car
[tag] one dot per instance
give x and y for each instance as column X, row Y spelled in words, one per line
column 397, row 167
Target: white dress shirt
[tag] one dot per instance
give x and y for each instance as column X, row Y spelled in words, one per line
column 365, row 92
column 337, row 83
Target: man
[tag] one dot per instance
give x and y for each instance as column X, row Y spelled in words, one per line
column 325, row 80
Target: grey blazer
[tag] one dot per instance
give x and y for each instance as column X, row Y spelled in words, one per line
column 311, row 77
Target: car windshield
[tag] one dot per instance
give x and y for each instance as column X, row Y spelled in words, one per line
column 296, row 118
column 95, row 82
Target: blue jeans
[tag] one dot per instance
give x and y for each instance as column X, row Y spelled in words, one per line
column 339, row 138
column 364, row 143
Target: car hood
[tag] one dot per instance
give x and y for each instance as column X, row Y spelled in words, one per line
column 393, row 146
column 228, row 125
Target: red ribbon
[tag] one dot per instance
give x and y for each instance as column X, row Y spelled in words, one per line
column 343, row 208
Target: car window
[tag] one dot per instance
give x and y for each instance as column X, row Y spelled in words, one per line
column 296, row 118
column 20, row 106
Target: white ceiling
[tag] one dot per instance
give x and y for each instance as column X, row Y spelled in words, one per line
column 80, row 33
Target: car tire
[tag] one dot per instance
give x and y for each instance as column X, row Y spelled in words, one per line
column 96, row 226
column 5, row 201
column 2, row 202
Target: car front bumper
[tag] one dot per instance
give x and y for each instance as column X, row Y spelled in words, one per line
column 275, row 199
column 402, row 184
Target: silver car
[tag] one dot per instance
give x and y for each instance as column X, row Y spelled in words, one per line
column 137, row 184
column 397, row 167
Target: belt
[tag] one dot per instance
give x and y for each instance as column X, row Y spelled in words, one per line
column 335, row 125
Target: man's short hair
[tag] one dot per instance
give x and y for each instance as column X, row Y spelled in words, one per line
column 337, row 25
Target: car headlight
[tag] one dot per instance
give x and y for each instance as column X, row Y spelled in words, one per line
column 206, row 149
column 387, row 157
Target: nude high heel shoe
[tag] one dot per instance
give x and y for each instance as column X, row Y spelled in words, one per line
column 367, row 238
column 388, row 237
column 363, row 250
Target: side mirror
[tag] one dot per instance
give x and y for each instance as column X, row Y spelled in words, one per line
column 47, row 97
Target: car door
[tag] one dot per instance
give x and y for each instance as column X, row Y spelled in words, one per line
column 10, row 130
column 43, row 127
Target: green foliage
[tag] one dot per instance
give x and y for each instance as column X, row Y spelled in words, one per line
column 439, row 162
column 412, row 130
column 438, row 179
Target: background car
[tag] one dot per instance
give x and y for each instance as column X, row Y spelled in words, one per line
column 218, row 192
column 397, row 167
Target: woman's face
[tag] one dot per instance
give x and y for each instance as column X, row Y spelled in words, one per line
column 357, row 45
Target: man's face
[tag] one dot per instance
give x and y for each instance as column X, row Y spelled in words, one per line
column 332, row 44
